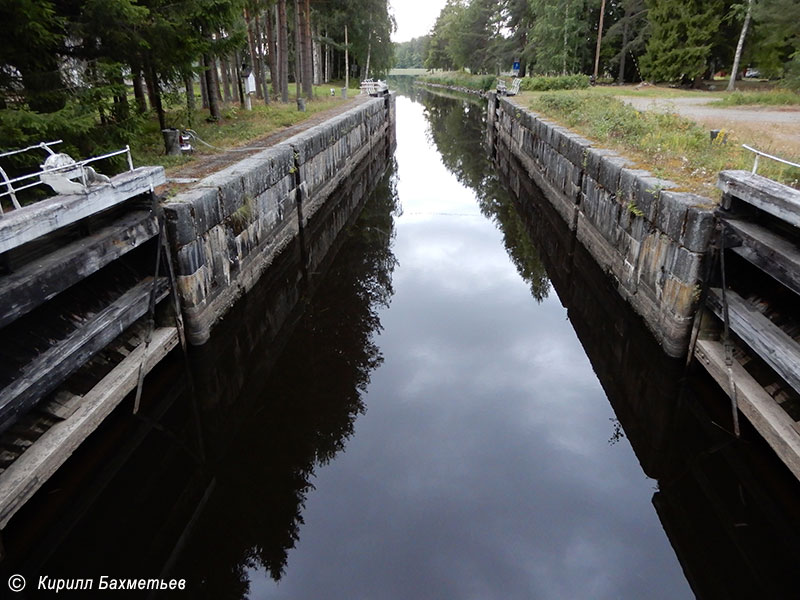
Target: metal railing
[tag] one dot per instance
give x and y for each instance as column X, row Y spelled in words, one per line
column 68, row 170
column 759, row 154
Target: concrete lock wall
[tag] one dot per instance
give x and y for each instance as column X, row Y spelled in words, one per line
column 646, row 235
column 228, row 229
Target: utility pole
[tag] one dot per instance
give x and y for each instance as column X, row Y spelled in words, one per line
column 599, row 38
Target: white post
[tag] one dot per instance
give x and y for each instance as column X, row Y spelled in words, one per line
column 346, row 64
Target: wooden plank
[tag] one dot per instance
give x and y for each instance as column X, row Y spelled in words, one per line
column 62, row 406
column 30, row 222
column 765, row 338
column 42, row 375
column 27, row 474
column 37, row 282
column 770, row 196
column 769, row 419
column 768, row 251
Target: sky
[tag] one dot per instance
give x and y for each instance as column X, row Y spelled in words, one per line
column 414, row 17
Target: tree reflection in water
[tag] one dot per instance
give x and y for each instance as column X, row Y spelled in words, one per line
column 457, row 130
column 311, row 400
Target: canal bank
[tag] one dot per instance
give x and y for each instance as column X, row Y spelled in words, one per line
column 104, row 280
column 460, row 403
column 666, row 251
column 651, row 239
column 228, row 229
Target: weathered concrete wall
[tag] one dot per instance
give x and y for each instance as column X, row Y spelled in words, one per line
column 230, row 227
column 650, row 238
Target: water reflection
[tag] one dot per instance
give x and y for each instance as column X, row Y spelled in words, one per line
column 489, row 463
column 277, row 390
column 726, row 505
column 456, row 126
column 306, row 410
column 482, row 467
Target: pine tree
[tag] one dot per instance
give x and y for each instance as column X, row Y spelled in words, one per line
column 778, row 24
column 682, row 33
column 560, row 35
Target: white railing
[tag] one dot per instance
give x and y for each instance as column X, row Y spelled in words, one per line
column 72, row 170
column 759, row 154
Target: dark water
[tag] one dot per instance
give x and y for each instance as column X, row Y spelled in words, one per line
column 484, row 463
column 459, row 406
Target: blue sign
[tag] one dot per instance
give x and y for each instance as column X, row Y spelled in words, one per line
column 516, row 66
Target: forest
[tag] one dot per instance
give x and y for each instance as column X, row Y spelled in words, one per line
column 676, row 41
column 91, row 72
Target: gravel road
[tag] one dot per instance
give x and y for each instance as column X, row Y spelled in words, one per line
column 782, row 124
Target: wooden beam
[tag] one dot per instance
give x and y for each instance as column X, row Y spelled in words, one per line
column 765, row 338
column 770, row 252
column 770, row 196
column 28, row 473
column 35, row 283
column 768, row 418
column 42, row 375
column 35, row 220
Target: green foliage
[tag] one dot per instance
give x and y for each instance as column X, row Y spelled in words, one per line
column 556, row 82
column 680, row 147
column 682, row 33
column 778, row 51
column 777, row 97
column 462, row 79
column 635, row 210
column 560, row 35
column 411, row 54
column 468, row 34
column 457, row 128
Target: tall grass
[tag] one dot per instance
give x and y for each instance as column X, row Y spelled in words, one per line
column 461, row 79
column 485, row 83
column 556, row 82
column 668, row 145
column 777, row 97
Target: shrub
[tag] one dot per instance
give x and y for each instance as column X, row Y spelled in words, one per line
column 665, row 142
column 463, row 80
column 772, row 97
column 557, row 82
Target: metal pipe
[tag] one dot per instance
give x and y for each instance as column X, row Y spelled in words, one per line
column 759, row 153
column 39, row 145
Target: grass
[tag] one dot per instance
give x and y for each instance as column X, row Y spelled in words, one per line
column 485, row 83
column 647, row 91
column 236, row 128
column 408, row 72
column 461, row 79
column 776, row 97
column 679, row 149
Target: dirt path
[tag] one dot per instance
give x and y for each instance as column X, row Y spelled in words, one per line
column 205, row 164
column 774, row 127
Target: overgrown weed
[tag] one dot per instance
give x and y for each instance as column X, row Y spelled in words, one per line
column 681, row 149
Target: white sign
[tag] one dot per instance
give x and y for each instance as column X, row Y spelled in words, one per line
column 250, row 84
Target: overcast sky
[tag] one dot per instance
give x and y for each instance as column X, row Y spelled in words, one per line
column 414, row 17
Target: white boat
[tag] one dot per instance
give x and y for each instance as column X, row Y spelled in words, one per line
column 374, row 87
